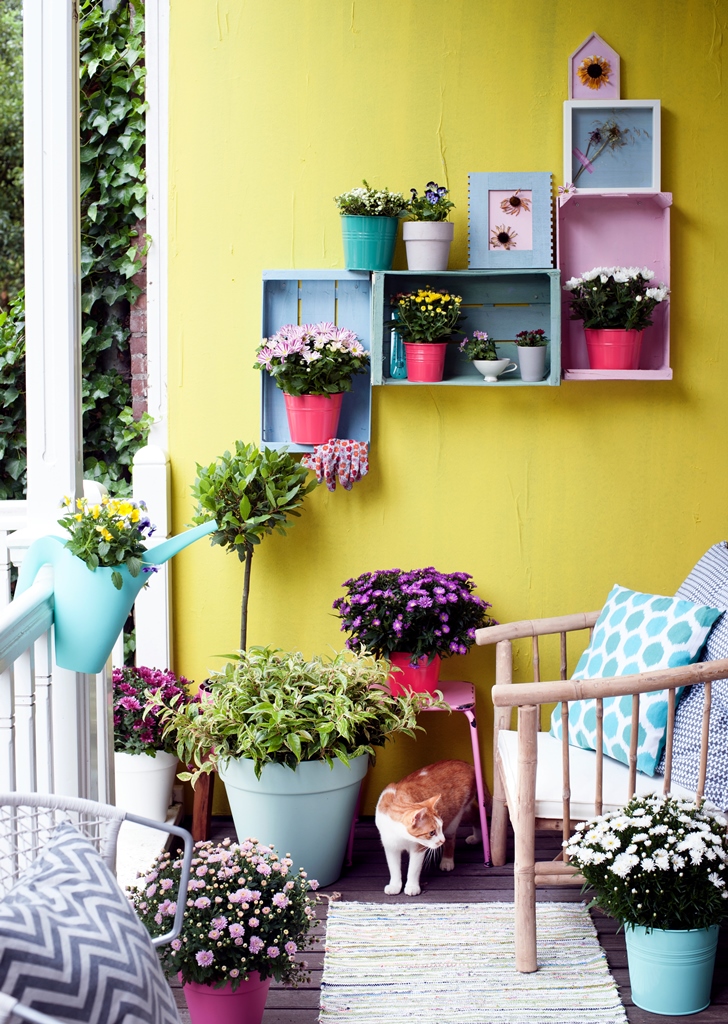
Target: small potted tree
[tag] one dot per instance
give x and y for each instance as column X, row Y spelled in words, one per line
column 427, row 232
column 248, row 918
column 292, row 739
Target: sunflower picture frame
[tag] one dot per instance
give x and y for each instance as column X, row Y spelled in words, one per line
column 510, row 224
column 594, row 71
column 612, row 147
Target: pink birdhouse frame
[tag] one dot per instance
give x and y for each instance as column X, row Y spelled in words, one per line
column 594, row 71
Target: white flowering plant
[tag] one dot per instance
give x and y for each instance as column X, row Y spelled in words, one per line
column 658, row 862
column 246, row 911
column 371, row 202
column 615, row 297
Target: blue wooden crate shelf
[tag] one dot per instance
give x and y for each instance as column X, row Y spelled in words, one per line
column 309, row 296
column 501, row 302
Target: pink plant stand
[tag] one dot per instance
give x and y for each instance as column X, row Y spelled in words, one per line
column 459, row 696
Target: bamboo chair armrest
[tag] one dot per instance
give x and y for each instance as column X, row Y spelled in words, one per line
column 535, row 627
column 524, row 694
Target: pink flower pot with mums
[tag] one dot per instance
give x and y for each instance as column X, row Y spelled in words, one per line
column 425, row 320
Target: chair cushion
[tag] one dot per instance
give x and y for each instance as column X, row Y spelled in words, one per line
column 549, row 774
column 635, row 632
column 707, row 583
column 72, row 946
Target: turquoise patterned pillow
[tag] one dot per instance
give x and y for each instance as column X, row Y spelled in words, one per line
column 635, row 633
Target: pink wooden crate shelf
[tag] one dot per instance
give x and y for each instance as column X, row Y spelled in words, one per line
column 615, row 229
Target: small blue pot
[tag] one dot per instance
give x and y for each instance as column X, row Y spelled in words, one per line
column 671, row 970
column 306, row 813
column 369, row 242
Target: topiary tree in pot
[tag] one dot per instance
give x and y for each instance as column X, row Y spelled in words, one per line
column 250, row 493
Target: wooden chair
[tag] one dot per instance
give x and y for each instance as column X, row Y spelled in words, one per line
column 542, row 782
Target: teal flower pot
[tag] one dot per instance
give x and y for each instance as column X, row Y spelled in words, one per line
column 88, row 611
column 306, row 813
column 369, row 242
column 671, row 971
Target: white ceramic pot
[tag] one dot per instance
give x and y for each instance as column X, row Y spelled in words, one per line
column 532, row 361
column 493, row 368
column 427, row 243
column 144, row 783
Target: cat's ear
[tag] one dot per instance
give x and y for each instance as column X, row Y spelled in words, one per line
column 417, row 816
column 434, row 801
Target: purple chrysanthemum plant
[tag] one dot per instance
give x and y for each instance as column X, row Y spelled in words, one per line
column 421, row 612
column 139, row 695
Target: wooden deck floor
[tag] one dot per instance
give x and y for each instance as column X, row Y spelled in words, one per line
column 471, row 881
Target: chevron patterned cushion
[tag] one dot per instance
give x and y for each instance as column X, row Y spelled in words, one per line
column 72, row 946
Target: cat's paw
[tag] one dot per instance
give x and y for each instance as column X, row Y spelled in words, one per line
column 412, row 889
column 394, row 890
column 447, row 863
column 472, row 839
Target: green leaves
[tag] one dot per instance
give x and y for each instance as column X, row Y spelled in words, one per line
column 250, row 493
column 273, row 706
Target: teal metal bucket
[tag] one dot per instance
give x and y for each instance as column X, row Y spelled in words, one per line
column 671, row 971
column 369, row 242
column 306, row 813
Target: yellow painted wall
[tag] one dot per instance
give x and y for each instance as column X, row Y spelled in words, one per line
column 547, row 496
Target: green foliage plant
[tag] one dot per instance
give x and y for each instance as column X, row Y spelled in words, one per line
column 370, row 202
column 431, row 205
column 12, row 401
column 11, row 150
column 658, row 862
column 250, row 493
column 275, row 707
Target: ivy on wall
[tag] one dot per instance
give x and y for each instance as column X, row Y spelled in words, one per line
column 113, row 195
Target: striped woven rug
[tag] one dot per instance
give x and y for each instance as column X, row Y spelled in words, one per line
column 453, row 963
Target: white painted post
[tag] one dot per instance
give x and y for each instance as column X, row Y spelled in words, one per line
column 156, row 22
column 53, row 322
column 152, row 608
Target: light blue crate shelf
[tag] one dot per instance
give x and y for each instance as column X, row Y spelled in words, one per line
column 501, row 302
column 309, row 296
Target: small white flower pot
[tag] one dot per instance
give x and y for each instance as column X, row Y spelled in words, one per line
column 144, row 783
column 532, row 362
column 493, row 368
column 427, row 243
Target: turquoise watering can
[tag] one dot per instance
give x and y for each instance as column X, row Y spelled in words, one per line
column 89, row 612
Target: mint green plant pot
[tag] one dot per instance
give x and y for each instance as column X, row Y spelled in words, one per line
column 306, row 813
column 369, row 242
column 671, row 971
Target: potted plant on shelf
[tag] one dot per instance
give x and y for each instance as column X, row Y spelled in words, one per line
column 414, row 618
column 247, row 921
column 425, row 320
column 616, row 305
column 248, row 495
column 660, row 867
column 482, row 353
column 144, row 760
column 532, row 354
column 292, row 738
column 313, row 364
column 428, row 233
column 369, row 219
column 98, row 571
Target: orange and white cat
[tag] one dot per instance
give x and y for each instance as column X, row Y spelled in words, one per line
column 422, row 812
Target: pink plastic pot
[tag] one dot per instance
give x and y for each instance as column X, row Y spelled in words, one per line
column 313, row 419
column 612, row 349
column 425, row 361
column 422, row 678
column 208, row 1005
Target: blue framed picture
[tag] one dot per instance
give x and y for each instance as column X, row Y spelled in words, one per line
column 510, row 220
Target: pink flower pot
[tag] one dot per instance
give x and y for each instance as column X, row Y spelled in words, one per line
column 208, row 1005
column 313, row 419
column 425, row 361
column 612, row 349
column 422, row 678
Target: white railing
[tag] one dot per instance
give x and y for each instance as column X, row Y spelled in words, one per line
column 56, row 726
